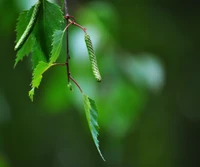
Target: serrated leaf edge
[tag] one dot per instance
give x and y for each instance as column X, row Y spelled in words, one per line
column 88, row 107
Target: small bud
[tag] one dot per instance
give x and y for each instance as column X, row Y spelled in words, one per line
column 69, row 85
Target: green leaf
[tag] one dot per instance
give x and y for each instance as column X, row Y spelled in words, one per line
column 92, row 118
column 23, row 21
column 31, row 93
column 37, row 76
column 37, row 56
column 29, row 27
column 92, row 56
column 50, row 19
column 57, row 45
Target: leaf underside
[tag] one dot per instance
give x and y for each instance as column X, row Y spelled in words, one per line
column 92, row 119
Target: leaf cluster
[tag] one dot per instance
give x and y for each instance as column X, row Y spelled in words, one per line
column 39, row 32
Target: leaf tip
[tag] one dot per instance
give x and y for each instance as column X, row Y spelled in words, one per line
column 31, row 94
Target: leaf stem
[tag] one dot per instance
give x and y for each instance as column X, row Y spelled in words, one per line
column 67, row 26
column 76, row 83
column 58, row 64
column 78, row 25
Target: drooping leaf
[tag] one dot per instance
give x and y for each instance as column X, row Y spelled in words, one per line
column 37, row 76
column 57, row 45
column 37, row 73
column 92, row 118
column 92, row 57
column 50, row 19
column 23, row 21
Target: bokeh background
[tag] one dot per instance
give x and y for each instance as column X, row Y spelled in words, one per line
column 149, row 55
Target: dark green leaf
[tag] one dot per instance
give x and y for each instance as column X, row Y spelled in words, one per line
column 39, row 42
column 50, row 19
column 92, row 118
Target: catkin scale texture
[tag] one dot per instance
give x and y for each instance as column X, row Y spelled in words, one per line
column 92, row 56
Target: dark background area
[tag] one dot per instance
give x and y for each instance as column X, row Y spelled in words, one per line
column 149, row 56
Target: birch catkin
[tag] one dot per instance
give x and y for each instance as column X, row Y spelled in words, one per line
column 92, row 56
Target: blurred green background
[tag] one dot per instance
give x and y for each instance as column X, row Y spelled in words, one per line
column 149, row 55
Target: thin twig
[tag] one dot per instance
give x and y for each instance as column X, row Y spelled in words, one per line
column 69, row 22
column 76, row 83
column 78, row 25
column 66, row 8
column 67, row 41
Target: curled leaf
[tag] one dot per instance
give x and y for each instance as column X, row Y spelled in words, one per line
column 29, row 27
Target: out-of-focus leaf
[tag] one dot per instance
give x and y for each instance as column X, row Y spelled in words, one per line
column 145, row 71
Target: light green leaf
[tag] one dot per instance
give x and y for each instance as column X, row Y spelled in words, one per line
column 37, row 76
column 37, row 73
column 31, row 93
column 57, row 45
column 92, row 118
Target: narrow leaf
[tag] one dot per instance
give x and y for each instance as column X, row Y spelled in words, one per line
column 92, row 118
column 92, row 56
column 57, row 45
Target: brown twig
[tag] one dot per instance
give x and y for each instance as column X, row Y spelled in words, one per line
column 69, row 22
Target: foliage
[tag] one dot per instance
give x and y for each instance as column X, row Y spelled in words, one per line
column 39, row 30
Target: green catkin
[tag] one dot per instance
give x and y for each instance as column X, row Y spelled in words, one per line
column 92, row 57
column 29, row 27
